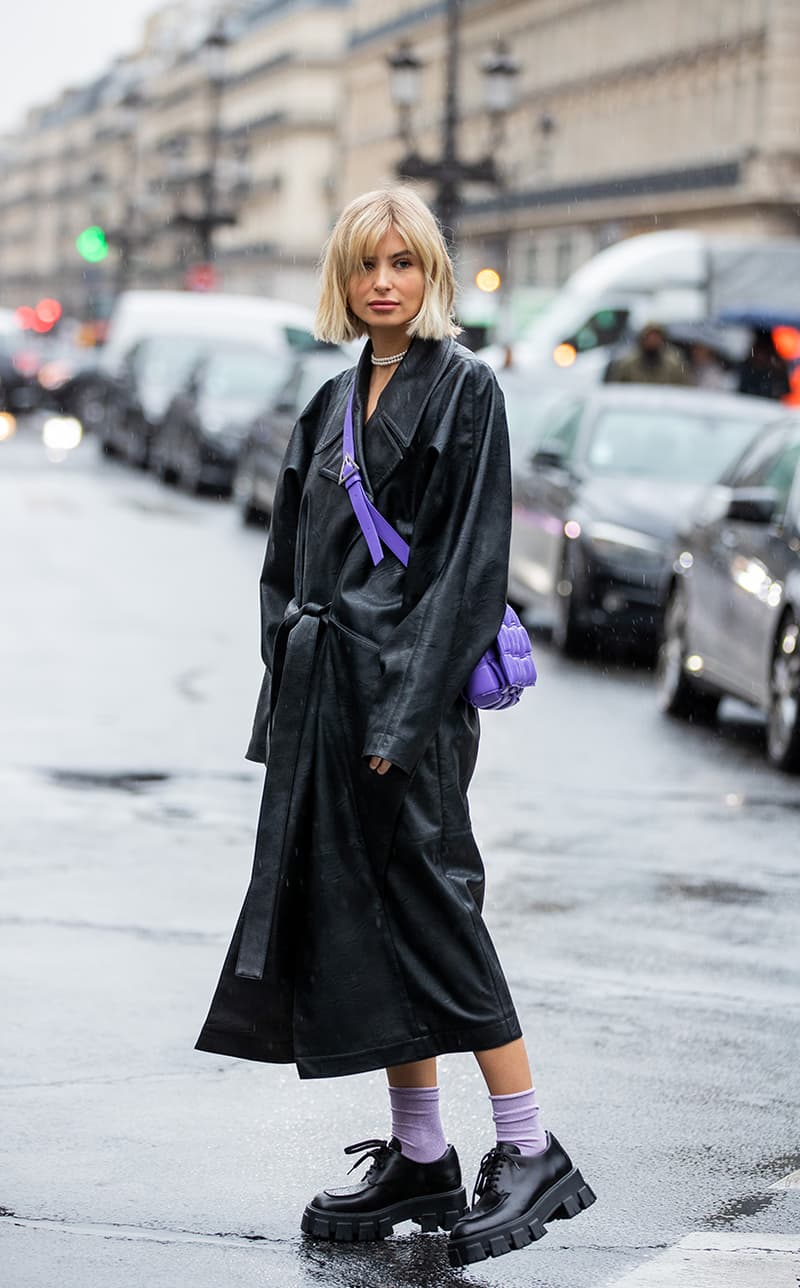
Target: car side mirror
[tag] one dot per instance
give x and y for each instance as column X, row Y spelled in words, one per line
column 752, row 505
column 548, row 458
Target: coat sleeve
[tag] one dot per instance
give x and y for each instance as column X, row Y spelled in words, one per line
column 457, row 575
column 277, row 584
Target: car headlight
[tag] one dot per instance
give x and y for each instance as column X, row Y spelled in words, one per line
column 617, row 544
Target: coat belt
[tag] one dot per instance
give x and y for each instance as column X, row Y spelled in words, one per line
column 292, row 671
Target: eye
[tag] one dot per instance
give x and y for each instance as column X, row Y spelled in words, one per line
column 403, row 262
column 367, row 265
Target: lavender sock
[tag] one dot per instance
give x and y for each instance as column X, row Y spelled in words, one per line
column 516, row 1118
column 416, row 1123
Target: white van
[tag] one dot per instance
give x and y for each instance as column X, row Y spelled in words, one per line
column 138, row 315
column 674, row 277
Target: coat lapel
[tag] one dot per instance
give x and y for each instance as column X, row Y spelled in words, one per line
column 394, row 423
column 401, row 406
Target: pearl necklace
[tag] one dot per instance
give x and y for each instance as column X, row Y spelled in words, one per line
column 387, row 362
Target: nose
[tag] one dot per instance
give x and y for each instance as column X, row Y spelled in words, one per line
column 383, row 277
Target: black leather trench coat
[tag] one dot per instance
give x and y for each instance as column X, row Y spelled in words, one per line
column 361, row 942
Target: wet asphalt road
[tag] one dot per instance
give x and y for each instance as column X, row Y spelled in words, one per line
column 643, row 893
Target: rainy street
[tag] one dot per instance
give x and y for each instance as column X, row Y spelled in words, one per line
column 643, row 885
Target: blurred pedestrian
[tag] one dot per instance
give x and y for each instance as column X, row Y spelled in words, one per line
column 764, row 374
column 361, row 943
column 709, row 371
column 651, row 360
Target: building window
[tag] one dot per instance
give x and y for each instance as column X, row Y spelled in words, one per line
column 563, row 259
column 530, row 268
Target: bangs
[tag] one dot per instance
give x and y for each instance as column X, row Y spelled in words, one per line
column 368, row 230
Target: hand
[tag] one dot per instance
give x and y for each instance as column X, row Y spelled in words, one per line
column 379, row 765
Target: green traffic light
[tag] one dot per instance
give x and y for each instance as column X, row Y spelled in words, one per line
column 91, row 244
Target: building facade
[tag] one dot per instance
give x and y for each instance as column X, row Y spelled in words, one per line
column 629, row 116
column 167, row 145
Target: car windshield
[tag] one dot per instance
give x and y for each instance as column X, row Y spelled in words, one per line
column 166, row 361
column 528, row 410
column 297, row 338
column 665, row 444
column 246, row 375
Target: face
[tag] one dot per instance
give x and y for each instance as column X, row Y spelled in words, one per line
column 652, row 340
column 387, row 291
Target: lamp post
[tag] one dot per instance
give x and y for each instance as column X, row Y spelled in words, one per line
column 205, row 222
column 214, row 48
column 448, row 171
column 127, row 238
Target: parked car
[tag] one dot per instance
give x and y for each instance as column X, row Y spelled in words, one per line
column 268, row 434
column 598, row 502
column 198, row 443
column 66, row 376
column 19, row 364
column 153, row 372
column 732, row 621
column 138, row 315
column 529, row 406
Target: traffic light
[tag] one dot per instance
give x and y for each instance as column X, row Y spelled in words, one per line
column 92, row 245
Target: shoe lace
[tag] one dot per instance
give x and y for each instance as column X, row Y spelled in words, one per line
column 377, row 1150
column 490, row 1170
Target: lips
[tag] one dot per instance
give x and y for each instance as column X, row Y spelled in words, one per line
column 383, row 306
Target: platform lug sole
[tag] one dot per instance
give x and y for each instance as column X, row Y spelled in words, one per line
column 565, row 1199
column 430, row 1212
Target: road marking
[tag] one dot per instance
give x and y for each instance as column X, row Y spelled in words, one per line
column 790, row 1182
column 722, row 1261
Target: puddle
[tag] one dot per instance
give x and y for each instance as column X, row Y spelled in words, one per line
column 748, row 1205
column 116, row 782
column 713, row 891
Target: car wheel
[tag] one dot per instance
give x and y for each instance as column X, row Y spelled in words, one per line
column 190, row 474
column 252, row 514
column 677, row 693
column 160, row 462
column 569, row 636
column 90, row 407
column 139, row 451
column 783, row 716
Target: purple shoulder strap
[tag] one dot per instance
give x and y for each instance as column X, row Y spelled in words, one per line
column 378, row 532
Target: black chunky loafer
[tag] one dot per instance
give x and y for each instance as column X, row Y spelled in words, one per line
column 514, row 1197
column 395, row 1189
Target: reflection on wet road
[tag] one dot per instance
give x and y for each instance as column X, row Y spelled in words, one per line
column 643, row 885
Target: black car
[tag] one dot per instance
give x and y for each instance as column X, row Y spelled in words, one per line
column 598, row 502
column 732, row 622
column 19, row 364
column 137, row 399
column 267, row 436
column 63, row 368
column 201, row 436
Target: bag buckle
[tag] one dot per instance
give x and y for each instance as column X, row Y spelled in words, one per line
column 349, row 468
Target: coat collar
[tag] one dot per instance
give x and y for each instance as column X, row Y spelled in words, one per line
column 399, row 411
column 402, row 403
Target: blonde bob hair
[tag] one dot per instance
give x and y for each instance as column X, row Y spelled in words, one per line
column 356, row 234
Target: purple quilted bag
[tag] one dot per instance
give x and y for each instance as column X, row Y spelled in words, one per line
column 507, row 667
column 504, row 670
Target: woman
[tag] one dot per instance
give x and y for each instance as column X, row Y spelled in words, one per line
column 361, row 944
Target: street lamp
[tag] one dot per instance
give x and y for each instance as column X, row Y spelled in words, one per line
column 213, row 57
column 448, row 171
column 127, row 239
column 213, row 51
column 404, row 76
